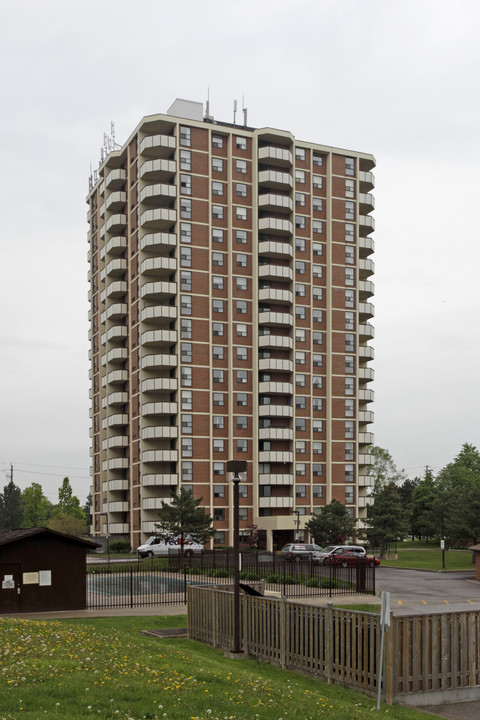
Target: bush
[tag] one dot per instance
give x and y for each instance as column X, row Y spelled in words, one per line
column 274, row 578
column 218, row 573
column 249, row 575
column 119, row 546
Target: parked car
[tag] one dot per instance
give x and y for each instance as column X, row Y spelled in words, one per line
column 347, row 559
column 156, row 547
column 332, row 550
column 295, row 552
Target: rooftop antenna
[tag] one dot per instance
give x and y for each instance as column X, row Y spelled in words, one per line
column 112, row 133
column 244, row 112
column 207, row 107
column 234, row 112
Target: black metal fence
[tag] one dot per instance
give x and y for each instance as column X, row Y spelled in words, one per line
column 147, row 583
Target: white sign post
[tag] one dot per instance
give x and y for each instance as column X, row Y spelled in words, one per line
column 384, row 620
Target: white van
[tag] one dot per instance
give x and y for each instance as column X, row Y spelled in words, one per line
column 155, row 547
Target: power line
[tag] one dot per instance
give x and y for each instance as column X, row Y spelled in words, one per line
column 60, row 467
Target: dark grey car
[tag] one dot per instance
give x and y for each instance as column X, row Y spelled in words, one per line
column 296, row 552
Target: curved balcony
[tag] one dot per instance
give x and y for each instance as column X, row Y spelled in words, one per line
column 275, row 180
column 116, row 289
column 284, row 297
column 117, row 398
column 366, row 353
column 366, row 224
column 116, row 529
column 274, row 364
column 160, row 432
column 117, row 507
column 366, row 396
column 366, row 417
column 275, row 341
column 116, row 267
column 154, row 385
column 366, row 289
column 366, row 311
column 157, row 146
column 117, row 334
column 114, row 377
column 116, row 245
column 159, row 169
column 158, row 242
column 365, row 268
column 285, row 411
column 275, row 502
column 115, row 223
column 116, row 201
column 155, row 503
column 366, row 332
column 275, row 319
column 275, row 226
column 154, row 479
column 117, row 441
column 275, row 203
column 272, row 249
column 366, row 203
column 275, row 388
column 157, row 313
column 280, row 157
column 274, row 433
column 117, row 420
column 275, row 272
column 118, row 464
column 159, row 218
column 116, row 485
column 365, row 481
column 366, row 374
column 156, row 338
column 158, row 266
column 366, row 438
column 117, row 311
column 116, row 179
column 366, row 180
column 366, row 163
column 276, row 479
column 117, row 355
column 158, row 290
column 154, row 362
column 160, row 456
column 366, row 246
column 365, row 459
column 158, row 195
column 273, row 456
column 159, row 408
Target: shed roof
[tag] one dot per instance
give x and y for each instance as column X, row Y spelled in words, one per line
column 10, row 536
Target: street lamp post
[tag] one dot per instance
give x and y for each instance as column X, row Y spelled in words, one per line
column 297, row 522
column 237, row 467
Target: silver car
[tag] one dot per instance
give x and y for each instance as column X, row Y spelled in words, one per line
column 296, row 552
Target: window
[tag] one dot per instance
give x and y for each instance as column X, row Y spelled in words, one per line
column 349, row 451
column 300, row 153
column 217, row 164
column 300, row 357
column 317, row 447
column 317, row 469
column 349, row 298
column 349, row 188
column 349, row 495
column 241, row 189
column 186, row 208
column 317, row 404
column 318, row 271
column 317, row 226
column 300, row 380
column 243, row 490
column 186, row 352
column 317, row 338
column 218, row 445
column 300, row 335
column 217, row 352
column 300, row 267
column 186, row 329
column 317, row 491
column 242, row 422
column 187, row 424
column 317, row 315
column 217, row 306
column 241, row 330
column 300, row 468
column 349, row 166
column 217, row 282
column 219, row 468
column 349, row 473
column 317, row 181
column 349, row 408
column 217, row 328
column 317, row 159
column 349, row 232
column 317, row 360
column 300, row 244
column 317, row 204
column 241, row 142
column 186, row 256
column 186, row 280
column 317, row 293
column 217, row 141
column 218, row 514
column 349, row 255
column 241, row 283
column 300, row 402
column 186, row 184
column 219, row 491
column 300, row 176
column 217, row 259
column 241, row 212
column 265, row 491
column 185, row 160
column 349, row 386
column 241, row 236
column 300, row 199
column 349, row 210
column 349, row 342
column 243, row 513
column 317, row 248
column 219, row 537
column 241, row 166
column 349, row 321
column 186, row 377
column 217, row 212
column 242, row 399
column 241, row 259
column 300, row 312
column 349, row 429
column 187, row 447
column 300, row 290
column 217, row 188
column 187, row 400
column 349, row 276
column 349, row 364
column 317, row 381
column 242, row 445
column 242, row 376
column 217, row 235
column 185, row 135
column 218, row 422
column 218, row 399
column 186, row 232
column 300, row 424
column 187, row 471
column 300, row 221
column 300, row 447
column 242, row 353
column 300, row 491
column 218, row 376
column 241, row 306
column 318, row 426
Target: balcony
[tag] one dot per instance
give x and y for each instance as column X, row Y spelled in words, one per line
column 117, row 398
column 116, row 245
column 159, row 169
column 160, row 432
column 116, row 485
column 365, row 459
column 275, row 156
column 158, row 195
column 275, row 203
column 366, row 224
column 116, row 289
column 275, row 272
column 116, row 529
column 118, row 464
column 366, row 311
column 158, row 219
column 158, row 242
column 117, row 355
column 116, row 268
column 275, row 319
column 275, row 226
column 159, row 385
column 275, row 456
column 283, row 411
column 116, row 201
column 155, row 503
column 366, row 203
column 158, row 266
column 117, row 441
column 366, row 353
column 115, row 223
column 117, row 334
column 116, row 179
column 117, row 311
column 365, row 481
column 159, row 408
column 155, row 362
column 366, row 246
column 157, row 146
column 272, row 249
column 366, row 332
column 276, row 479
column 366, row 374
column 157, row 338
column 366, row 268
column 366, row 289
column 154, row 479
column 275, row 341
column 275, row 180
column 159, row 456
column 274, row 433
column 366, row 396
column 366, row 417
column 366, row 180
column 275, row 296
column 116, row 507
column 158, row 290
column 117, row 420
column 275, row 502
column 366, row 438
column 275, row 388
column 274, row 364
column 157, row 313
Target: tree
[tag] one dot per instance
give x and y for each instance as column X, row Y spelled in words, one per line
column 185, row 519
column 87, row 509
column 68, row 503
column 332, row 526
column 458, row 497
column 424, row 518
column 387, row 518
column 68, row 524
column 383, row 469
column 36, row 507
column 11, row 507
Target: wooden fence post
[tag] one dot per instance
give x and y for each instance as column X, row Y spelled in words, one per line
column 389, row 675
column 329, row 642
column 283, row 633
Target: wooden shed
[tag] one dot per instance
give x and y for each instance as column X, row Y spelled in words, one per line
column 42, row 570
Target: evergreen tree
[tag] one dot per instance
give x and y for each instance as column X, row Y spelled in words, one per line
column 11, row 507
column 424, row 517
column 332, row 526
column 185, row 519
column 36, row 507
column 387, row 518
column 68, row 503
column 458, row 497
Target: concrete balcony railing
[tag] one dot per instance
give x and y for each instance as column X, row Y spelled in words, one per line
column 158, row 195
column 275, row 319
column 163, row 479
column 366, row 246
column 276, row 479
column 156, row 338
column 273, row 456
column 366, row 417
column 275, row 341
column 116, row 356
column 117, row 334
column 158, row 266
column 366, row 224
column 275, row 180
column 159, row 218
column 157, row 146
column 116, row 179
column 159, row 408
column 281, row 157
column 275, row 388
column 365, row 289
column 158, row 242
column 116, row 201
column 366, row 438
column 116, row 267
column 275, row 203
column 275, row 364
column 117, row 398
column 160, row 169
column 116, row 245
column 366, row 311
column 155, row 503
column 365, row 459
column 366, row 180
column 116, row 442
column 275, row 272
column 366, row 374
column 157, row 313
column 275, row 433
column 366, row 268
column 366, row 331
column 160, row 432
column 118, row 464
column 116, row 289
column 366, row 202
column 159, row 456
column 366, row 353
column 275, row 226
column 158, row 290
column 275, row 502
column 162, row 360
column 116, row 529
column 366, row 396
column 272, row 249
column 117, row 311
column 117, row 420
column 272, row 295
column 115, row 223
column 285, row 411
column 154, row 385
column 117, row 485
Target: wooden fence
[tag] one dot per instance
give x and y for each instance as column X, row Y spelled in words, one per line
column 428, row 658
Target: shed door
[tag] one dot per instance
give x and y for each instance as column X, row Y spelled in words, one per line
column 10, row 575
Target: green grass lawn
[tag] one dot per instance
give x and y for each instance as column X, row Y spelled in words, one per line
column 431, row 559
column 103, row 668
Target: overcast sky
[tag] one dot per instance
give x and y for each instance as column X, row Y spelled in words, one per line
column 396, row 78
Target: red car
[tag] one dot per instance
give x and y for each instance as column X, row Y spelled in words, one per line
column 347, row 559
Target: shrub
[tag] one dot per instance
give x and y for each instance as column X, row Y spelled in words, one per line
column 119, row 546
column 249, row 575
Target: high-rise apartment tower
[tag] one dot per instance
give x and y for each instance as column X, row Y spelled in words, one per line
column 230, row 308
